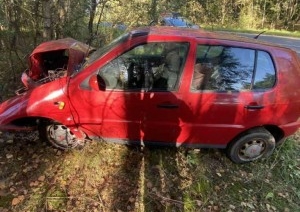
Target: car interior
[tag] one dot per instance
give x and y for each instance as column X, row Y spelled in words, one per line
column 152, row 66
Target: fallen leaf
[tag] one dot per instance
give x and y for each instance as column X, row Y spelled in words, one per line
column 35, row 183
column 149, row 185
column 10, row 141
column 21, row 197
column 216, row 208
column 199, row 203
column 154, row 190
column 2, row 185
column 14, row 175
column 9, row 156
column 232, row 207
column 17, row 200
column 42, row 178
column 270, row 195
column 131, row 199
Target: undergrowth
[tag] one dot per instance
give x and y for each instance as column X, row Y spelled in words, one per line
column 112, row 177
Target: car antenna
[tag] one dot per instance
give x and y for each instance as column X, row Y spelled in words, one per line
column 259, row 34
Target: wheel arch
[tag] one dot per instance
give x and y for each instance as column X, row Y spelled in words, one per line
column 22, row 124
column 275, row 131
column 30, row 121
column 253, row 144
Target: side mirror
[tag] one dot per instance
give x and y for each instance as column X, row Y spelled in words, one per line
column 97, row 83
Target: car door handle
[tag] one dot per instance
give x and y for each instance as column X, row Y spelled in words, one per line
column 254, row 107
column 167, row 106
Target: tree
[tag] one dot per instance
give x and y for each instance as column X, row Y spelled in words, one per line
column 291, row 10
column 47, row 32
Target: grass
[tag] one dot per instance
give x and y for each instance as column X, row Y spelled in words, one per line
column 112, row 177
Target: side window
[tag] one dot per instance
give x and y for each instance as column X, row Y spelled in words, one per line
column 265, row 72
column 151, row 66
column 221, row 68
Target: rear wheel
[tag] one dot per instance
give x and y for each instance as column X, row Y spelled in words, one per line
column 255, row 144
column 59, row 136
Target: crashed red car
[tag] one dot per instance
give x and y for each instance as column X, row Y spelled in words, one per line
column 170, row 86
column 53, row 59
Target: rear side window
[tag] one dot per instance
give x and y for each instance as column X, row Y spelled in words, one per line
column 223, row 68
column 265, row 72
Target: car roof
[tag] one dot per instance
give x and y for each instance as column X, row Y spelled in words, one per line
column 198, row 33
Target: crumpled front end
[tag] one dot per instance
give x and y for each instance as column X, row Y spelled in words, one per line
column 47, row 103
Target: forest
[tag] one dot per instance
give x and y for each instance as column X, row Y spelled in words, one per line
column 26, row 23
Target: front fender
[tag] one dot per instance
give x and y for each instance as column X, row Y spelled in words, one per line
column 47, row 101
column 12, row 109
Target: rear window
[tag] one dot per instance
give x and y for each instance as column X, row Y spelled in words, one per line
column 223, row 68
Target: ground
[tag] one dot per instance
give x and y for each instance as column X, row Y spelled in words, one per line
column 112, row 177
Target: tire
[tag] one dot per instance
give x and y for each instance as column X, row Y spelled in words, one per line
column 254, row 144
column 59, row 136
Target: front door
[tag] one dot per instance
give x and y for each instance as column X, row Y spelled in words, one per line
column 141, row 100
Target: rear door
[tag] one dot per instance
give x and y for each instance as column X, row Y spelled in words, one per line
column 227, row 93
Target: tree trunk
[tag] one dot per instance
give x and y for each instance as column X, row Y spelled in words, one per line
column 224, row 12
column 93, row 7
column 264, row 14
column 36, row 22
column 153, row 11
column 47, row 33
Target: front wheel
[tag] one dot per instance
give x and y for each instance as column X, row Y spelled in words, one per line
column 255, row 144
column 59, row 136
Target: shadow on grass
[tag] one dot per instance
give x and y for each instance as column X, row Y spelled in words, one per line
column 111, row 177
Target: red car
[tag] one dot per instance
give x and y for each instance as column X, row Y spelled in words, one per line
column 170, row 86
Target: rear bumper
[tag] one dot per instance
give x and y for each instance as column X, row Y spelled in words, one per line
column 290, row 128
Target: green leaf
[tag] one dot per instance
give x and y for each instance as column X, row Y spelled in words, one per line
column 270, row 195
